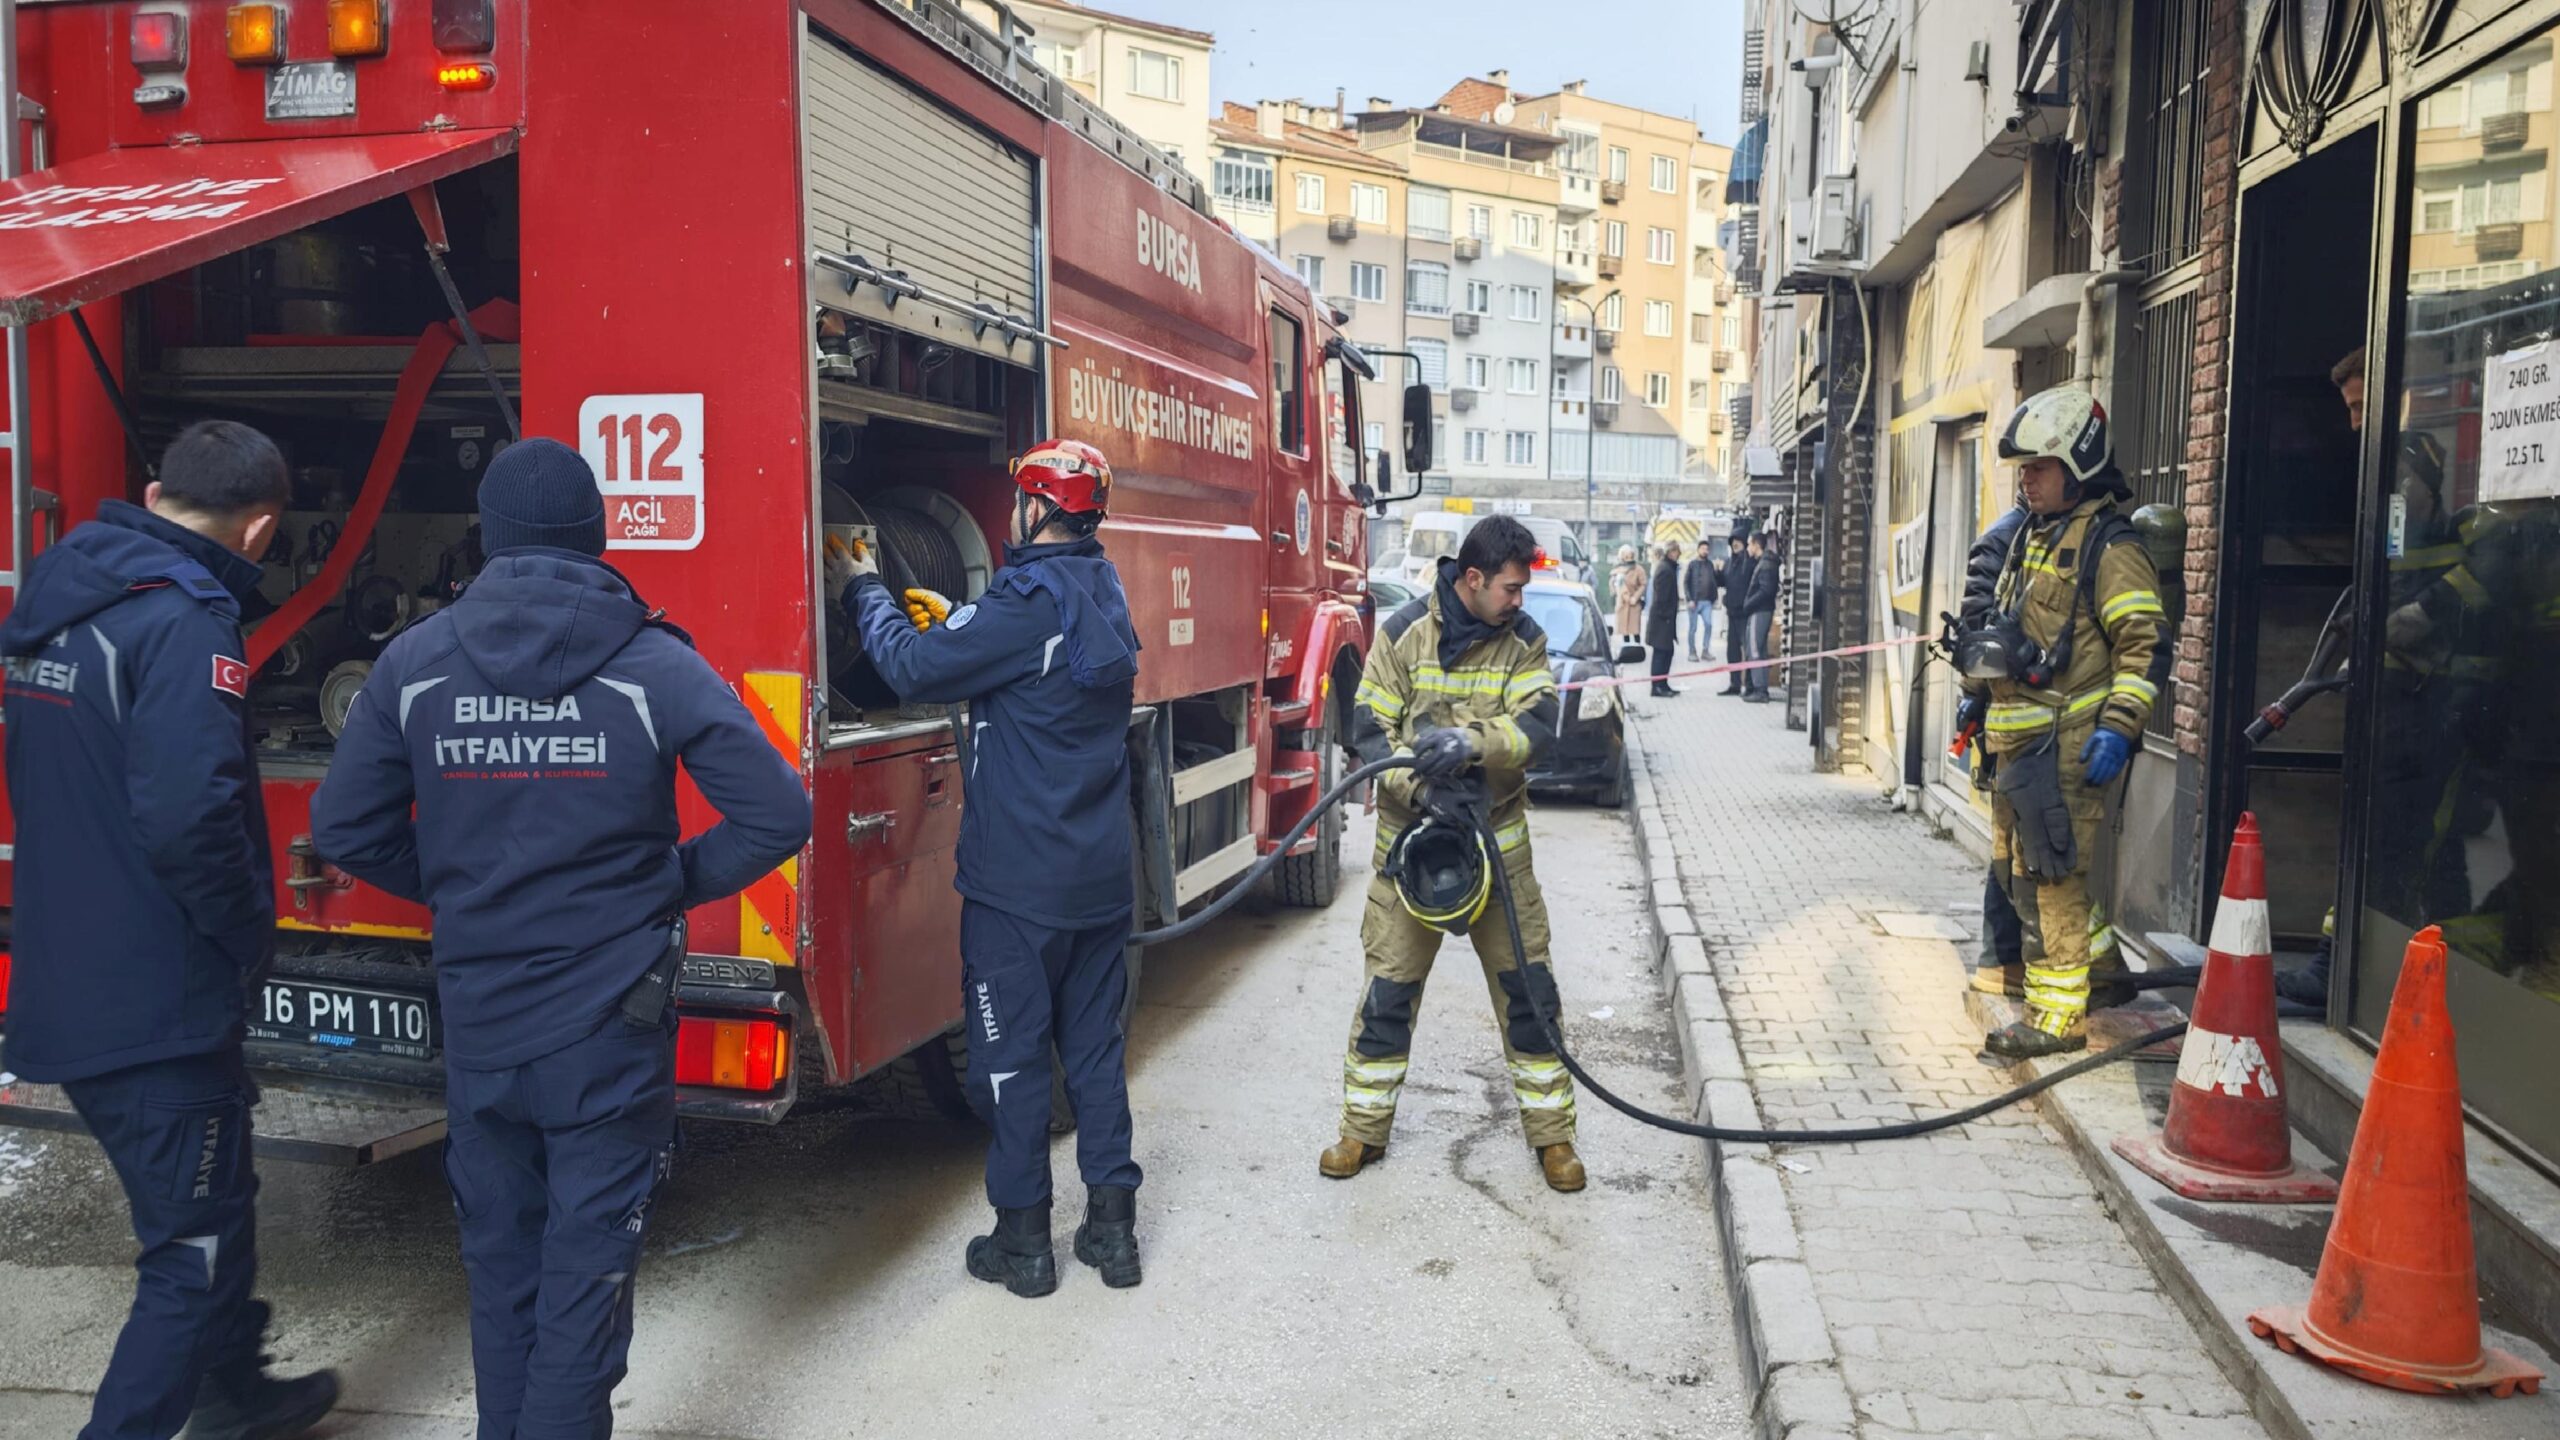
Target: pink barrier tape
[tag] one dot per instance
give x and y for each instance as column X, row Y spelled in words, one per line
column 1605, row 681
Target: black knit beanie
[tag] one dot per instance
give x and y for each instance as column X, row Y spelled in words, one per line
column 541, row 492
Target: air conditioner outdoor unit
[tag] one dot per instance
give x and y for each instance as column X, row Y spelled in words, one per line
column 1833, row 226
column 1465, row 322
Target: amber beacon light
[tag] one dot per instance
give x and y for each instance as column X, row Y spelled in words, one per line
column 255, row 34
column 355, row 29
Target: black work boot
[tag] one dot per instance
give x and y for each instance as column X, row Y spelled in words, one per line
column 1108, row 1238
column 2019, row 1040
column 1018, row 1253
column 239, row 1400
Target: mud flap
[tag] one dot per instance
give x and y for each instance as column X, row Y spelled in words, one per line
column 320, row 1122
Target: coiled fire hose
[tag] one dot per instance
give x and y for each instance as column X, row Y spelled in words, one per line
column 1350, row 783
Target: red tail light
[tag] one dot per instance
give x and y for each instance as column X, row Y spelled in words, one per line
column 732, row 1054
column 4, row 982
column 159, row 41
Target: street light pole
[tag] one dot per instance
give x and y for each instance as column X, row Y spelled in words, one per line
column 1590, row 432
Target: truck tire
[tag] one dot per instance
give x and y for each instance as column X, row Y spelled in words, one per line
column 1310, row 881
column 931, row 1082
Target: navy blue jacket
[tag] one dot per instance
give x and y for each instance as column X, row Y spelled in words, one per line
column 536, row 725
column 145, row 899
column 1984, row 562
column 1048, row 663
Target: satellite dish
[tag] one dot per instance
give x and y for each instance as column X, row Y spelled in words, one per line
column 1503, row 112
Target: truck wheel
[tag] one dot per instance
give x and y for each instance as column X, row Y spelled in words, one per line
column 931, row 1082
column 1310, row 881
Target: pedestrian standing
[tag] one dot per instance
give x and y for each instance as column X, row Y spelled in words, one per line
column 1048, row 661
column 1662, row 618
column 2000, row 968
column 1760, row 610
column 558, row 892
column 1735, row 585
column 1628, row 582
column 1698, row 591
column 1459, row 680
column 145, row 913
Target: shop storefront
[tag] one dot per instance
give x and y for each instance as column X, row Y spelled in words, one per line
column 2399, row 191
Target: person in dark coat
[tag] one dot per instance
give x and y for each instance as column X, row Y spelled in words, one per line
column 2000, row 967
column 145, row 912
column 1760, row 612
column 512, row 765
column 1734, row 583
column 1662, row 617
column 1698, row 592
column 1048, row 660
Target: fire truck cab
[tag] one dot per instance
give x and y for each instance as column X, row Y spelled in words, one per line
column 778, row 269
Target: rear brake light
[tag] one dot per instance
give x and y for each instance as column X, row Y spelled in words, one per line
column 355, row 28
column 159, row 41
column 467, row 75
column 465, row 27
column 4, row 982
column 255, row 34
column 732, row 1054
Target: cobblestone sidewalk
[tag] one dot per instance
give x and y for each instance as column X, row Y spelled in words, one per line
column 1971, row 1283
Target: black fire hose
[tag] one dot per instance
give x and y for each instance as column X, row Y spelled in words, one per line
column 1555, row 1037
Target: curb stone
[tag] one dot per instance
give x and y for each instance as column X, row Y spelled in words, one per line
column 1789, row 1369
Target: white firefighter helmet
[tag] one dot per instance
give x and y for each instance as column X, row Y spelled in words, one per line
column 2065, row 423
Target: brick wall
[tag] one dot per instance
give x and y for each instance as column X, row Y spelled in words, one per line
column 2209, row 400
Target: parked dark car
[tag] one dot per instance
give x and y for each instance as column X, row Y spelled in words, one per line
column 1590, row 752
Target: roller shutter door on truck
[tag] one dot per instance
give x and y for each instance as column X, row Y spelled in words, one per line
column 907, row 185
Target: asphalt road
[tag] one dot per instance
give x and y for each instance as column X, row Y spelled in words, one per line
column 805, row 1281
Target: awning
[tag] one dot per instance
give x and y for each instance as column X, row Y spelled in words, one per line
column 101, row 224
column 1742, row 181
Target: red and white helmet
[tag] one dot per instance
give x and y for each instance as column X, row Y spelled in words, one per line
column 1067, row 473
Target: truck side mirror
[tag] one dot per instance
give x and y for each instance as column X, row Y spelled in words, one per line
column 1417, row 427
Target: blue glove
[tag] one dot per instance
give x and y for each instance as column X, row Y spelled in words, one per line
column 2104, row 757
column 1443, row 754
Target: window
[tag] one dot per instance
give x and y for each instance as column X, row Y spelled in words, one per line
column 1732, row 392
column 1288, row 402
column 1528, row 232
column 1311, row 269
column 1614, row 239
column 1064, row 62
column 1480, row 221
column 1479, row 373
column 1155, row 75
column 1373, row 436
column 1618, row 163
column 1310, row 194
column 1612, row 386
column 1528, row 302
column 1732, row 333
column 1702, row 329
column 1426, row 288
column 1657, row 318
column 1476, row 443
column 1524, row 377
column 1519, row 447
column 1426, row 214
column 1369, row 203
column 1660, row 245
column 1701, row 395
column 1244, row 181
column 1613, row 313
column 1431, row 358
column 1581, row 153
column 1480, row 297
column 1666, row 175
column 1368, row 282
column 1657, row 389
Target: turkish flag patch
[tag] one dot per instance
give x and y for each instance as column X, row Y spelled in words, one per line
column 230, row 676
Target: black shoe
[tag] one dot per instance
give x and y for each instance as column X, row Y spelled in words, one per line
column 2019, row 1040
column 239, row 1400
column 1664, row 692
column 1018, row 1253
column 1730, row 690
column 1108, row 1238
column 1756, row 697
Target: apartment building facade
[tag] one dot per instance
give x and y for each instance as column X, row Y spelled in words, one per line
column 1148, row 75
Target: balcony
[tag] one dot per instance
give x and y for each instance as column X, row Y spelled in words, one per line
column 1462, row 398
column 1573, row 342
column 1610, row 265
column 1612, row 191
column 1604, row 412
column 2499, row 242
column 1467, row 247
column 1716, row 423
column 1604, row 341
column 1576, row 267
column 1578, row 193
column 1466, row 322
column 1466, row 155
column 1723, row 360
column 2504, row 132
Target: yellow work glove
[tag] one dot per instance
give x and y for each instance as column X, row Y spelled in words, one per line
column 927, row 608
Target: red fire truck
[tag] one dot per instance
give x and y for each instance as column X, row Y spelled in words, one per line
column 776, row 266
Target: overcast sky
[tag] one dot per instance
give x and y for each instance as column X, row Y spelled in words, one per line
column 1680, row 57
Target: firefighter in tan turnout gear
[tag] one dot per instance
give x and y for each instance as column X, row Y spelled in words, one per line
column 1459, row 680
column 2063, row 677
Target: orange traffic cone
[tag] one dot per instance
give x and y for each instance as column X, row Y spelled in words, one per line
column 2226, row 1138
column 2397, row 1299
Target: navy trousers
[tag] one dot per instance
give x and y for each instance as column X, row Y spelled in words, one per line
column 1026, row 988
column 2003, row 941
column 553, row 1164
column 177, row 1133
